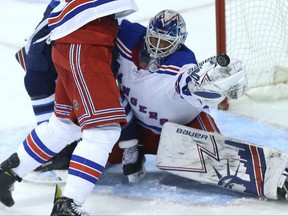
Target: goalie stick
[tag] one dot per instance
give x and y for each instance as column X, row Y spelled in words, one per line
column 218, row 160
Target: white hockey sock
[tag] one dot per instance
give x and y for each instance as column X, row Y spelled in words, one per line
column 45, row 141
column 88, row 161
column 43, row 108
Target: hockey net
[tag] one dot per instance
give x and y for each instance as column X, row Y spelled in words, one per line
column 256, row 31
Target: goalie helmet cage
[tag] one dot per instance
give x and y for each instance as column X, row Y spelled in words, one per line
column 256, row 32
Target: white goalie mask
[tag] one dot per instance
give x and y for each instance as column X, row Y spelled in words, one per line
column 165, row 34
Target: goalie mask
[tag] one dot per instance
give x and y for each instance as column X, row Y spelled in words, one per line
column 165, row 34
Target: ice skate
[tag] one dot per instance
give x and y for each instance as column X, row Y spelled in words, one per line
column 64, row 206
column 133, row 162
column 7, row 179
column 282, row 192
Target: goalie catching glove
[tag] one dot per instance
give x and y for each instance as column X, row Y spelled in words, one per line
column 211, row 83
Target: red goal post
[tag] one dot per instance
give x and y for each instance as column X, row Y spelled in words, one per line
column 256, row 31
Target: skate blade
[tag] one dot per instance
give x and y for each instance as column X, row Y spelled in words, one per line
column 136, row 177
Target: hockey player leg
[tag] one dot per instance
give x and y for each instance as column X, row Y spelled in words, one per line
column 48, row 138
column 282, row 190
column 39, row 146
column 133, row 160
column 53, row 171
column 87, row 164
column 43, row 107
column 133, row 155
column 276, row 177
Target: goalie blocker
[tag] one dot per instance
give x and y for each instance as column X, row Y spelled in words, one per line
column 218, row 160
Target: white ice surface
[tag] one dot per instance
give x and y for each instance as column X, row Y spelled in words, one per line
column 264, row 123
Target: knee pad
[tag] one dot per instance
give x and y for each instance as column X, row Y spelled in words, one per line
column 58, row 131
column 105, row 134
column 97, row 143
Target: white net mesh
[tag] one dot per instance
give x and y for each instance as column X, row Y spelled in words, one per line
column 257, row 33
